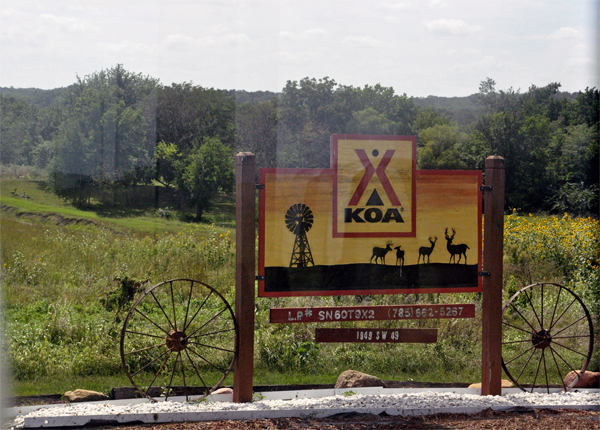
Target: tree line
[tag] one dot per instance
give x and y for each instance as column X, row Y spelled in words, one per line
column 115, row 128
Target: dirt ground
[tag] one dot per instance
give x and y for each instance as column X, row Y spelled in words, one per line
column 528, row 419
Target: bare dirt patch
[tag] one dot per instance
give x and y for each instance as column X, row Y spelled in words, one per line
column 50, row 217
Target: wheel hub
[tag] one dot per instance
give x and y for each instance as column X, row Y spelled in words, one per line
column 177, row 340
column 541, row 339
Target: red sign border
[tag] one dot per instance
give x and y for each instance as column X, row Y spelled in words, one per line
column 334, row 166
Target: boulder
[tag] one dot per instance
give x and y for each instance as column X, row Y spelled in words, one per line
column 587, row 380
column 223, row 390
column 503, row 384
column 354, row 379
column 80, row 395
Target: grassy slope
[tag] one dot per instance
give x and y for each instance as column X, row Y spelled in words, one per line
column 44, row 202
column 30, row 229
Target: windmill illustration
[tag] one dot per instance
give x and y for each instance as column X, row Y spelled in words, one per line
column 299, row 219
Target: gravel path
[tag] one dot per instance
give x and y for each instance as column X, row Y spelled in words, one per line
column 423, row 400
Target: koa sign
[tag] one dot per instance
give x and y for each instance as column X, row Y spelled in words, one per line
column 370, row 224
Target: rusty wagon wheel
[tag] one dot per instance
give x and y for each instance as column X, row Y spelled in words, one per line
column 179, row 339
column 547, row 332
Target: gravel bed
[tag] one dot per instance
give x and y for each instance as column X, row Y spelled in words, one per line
column 423, row 400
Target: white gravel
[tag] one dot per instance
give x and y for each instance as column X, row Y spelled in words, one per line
column 421, row 400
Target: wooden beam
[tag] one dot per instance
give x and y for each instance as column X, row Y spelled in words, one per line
column 377, row 335
column 493, row 239
column 244, row 275
column 371, row 313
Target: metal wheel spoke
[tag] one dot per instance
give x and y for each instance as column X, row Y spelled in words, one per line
column 517, row 341
column 546, row 371
column 542, row 308
column 156, row 325
column 562, row 380
column 519, row 328
column 146, row 349
column 571, row 337
column 520, row 355
column 524, row 319
column 212, row 347
column 211, row 333
column 207, row 322
column 196, row 370
column 155, row 359
column 570, row 349
column 561, row 315
column 213, row 365
column 566, row 362
column 533, row 309
column 555, row 307
column 537, row 372
column 160, row 370
column 199, row 309
column 173, row 303
column 570, row 325
column 169, row 387
column 144, row 334
column 524, row 367
column 187, row 309
column 183, row 375
column 163, row 311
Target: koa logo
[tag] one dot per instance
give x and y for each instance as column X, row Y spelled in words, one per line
column 373, row 214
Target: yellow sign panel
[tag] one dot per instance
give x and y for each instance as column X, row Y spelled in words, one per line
column 373, row 189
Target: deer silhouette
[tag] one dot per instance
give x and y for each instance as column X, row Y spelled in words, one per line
column 426, row 251
column 455, row 249
column 399, row 255
column 380, row 252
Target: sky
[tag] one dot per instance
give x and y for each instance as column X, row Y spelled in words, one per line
column 418, row 47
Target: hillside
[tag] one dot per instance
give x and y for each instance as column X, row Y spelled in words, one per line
column 36, row 96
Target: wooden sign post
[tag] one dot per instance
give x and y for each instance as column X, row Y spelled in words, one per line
column 493, row 236
column 244, row 275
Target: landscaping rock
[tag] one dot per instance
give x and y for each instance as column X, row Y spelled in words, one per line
column 587, row 380
column 80, row 395
column 354, row 379
column 223, row 390
column 503, row 384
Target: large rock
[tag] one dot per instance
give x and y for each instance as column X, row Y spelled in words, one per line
column 503, row 384
column 354, row 379
column 587, row 380
column 223, row 390
column 80, row 395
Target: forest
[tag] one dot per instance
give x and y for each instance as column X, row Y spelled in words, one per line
column 116, row 130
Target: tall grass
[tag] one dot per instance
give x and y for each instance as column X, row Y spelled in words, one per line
column 56, row 281
column 562, row 249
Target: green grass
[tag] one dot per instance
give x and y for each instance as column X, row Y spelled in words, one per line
column 53, row 385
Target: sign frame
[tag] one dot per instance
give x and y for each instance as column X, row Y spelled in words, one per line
column 263, row 292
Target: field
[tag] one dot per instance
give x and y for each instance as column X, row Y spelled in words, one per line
column 69, row 277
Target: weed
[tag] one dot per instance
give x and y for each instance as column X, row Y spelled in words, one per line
column 257, row 397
